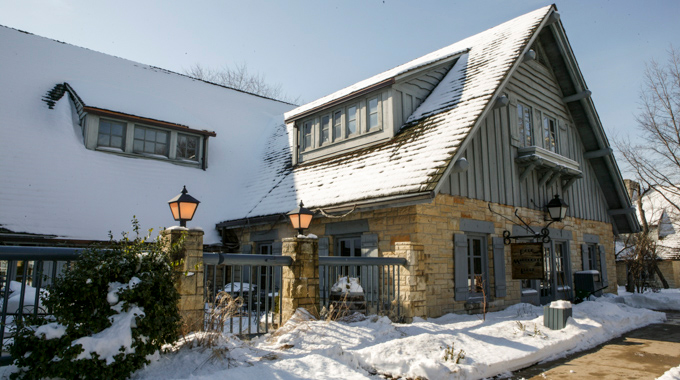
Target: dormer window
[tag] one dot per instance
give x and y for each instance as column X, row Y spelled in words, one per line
column 150, row 141
column 373, row 114
column 524, row 122
column 307, row 134
column 337, row 125
column 187, row 147
column 352, row 120
column 325, row 129
column 111, row 134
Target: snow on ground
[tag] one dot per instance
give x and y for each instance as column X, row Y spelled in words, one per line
column 506, row 341
column 671, row 374
column 664, row 299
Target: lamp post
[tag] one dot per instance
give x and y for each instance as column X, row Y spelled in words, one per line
column 183, row 207
column 300, row 218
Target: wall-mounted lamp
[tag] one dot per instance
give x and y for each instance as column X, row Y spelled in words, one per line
column 557, row 209
column 300, row 218
column 183, row 207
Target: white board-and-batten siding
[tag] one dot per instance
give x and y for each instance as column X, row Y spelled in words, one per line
column 494, row 176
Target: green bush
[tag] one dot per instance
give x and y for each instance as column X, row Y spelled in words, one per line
column 120, row 301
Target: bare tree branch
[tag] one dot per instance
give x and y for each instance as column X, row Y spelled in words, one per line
column 239, row 78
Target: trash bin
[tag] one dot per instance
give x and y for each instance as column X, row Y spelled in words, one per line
column 587, row 282
column 556, row 314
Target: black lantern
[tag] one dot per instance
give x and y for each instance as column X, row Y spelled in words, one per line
column 557, row 209
column 300, row 218
column 183, row 207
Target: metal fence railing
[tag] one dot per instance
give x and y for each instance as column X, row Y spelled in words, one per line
column 24, row 272
column 379, row 278
column 255, row 280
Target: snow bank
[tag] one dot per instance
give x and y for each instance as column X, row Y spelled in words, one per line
column 671, row 374
column 665, row 299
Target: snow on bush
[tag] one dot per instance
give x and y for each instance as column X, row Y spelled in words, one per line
column 115, row 307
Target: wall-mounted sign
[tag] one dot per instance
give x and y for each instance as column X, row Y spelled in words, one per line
column 527, row 261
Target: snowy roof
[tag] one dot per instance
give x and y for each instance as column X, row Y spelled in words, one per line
column 414, row 160
column 53, row 185
column 657, row 203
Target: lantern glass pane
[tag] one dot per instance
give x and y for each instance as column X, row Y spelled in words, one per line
column 305, row 220
column 186, row 210
column 175, row 210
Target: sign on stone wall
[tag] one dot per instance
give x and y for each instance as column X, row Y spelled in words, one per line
column 527, row 261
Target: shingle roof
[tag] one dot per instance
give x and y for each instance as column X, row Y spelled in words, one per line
column 414, row 160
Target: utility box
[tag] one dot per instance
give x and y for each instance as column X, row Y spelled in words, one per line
column 587, row 282
column 556, row 314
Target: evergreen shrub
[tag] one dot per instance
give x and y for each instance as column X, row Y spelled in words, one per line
column 133, row 280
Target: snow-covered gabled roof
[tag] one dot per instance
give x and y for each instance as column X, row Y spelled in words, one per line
column 53, row 185
column 411, row 163
column 660, row 207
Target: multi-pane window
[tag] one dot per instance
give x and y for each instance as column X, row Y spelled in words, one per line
column 307, row 134
column 525, row 125
column 475, row 256
column 373, row 121
column 337, row 125
column 325, row 129
column 351, row 120
column 111, row 134
column 187, row 147
column 350, row 246
column 150, row 141
column 549, row 134
column 594, row 257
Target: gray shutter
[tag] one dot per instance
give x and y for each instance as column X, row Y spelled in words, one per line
column 246, row 249
column 584, row 256
column 277, row 250
column 603, row 264
column 369, row 245
column 461, row 267
column 499, row 266
column 568, row 269
column 323, row 252
column 369, row 248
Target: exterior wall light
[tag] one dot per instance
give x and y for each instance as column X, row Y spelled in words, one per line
column 300, row 218
column 183, row 207
column 557, row 208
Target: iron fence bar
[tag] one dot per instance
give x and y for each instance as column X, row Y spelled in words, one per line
column 38, row 285
column 240, row 314
column 245, row 259
column 280, row 297
column 22, row 293
column 250, row 297
column 4, row 304
column 268, row 291
column 214, row 285
column 231, row 291
column 259, row 277
column 399, row 292
column 40, row 253
column 344, row 260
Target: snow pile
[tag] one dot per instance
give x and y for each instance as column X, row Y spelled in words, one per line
column 237, row 287
column 346, row 284
column 51, row 330
column 671, row 374
column 560, row 304
column 665, row 299
column 306, row 348
column 109, row 341
column 29, row 298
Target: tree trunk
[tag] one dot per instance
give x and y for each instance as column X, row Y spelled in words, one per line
column 661, row 277
column 630, row 284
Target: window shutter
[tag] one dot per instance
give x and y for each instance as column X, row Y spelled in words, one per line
column 369, row 245
column 277, row 250
column 584, row 257
column 246, row 249
column 369, row 248
column 323, row 252
column 603, row 264
column 499, row 266
column 461, row 267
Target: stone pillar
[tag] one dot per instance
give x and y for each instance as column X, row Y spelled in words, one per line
column 412, row 286
column 190, row 274
column 300, row 281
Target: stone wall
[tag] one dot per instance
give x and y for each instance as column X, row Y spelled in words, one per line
column 423, row 234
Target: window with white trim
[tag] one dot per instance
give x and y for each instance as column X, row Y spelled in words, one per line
column 525, row 125
column 373, row 118
column 549, row 134
column 352, row 122
column 337, row 125
column 325, row 136
column 307, row 134
column 477, row 265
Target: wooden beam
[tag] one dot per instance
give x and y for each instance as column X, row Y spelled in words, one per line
column 528, row 169
column 577, row 96
column 570, row 182
column 556, row 177
column 545, row 177
column 598, row 153
column 621, row 211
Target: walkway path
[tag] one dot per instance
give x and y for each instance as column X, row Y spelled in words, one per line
column 644, row 353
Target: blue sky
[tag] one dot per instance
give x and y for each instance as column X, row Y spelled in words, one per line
column 313, row 48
